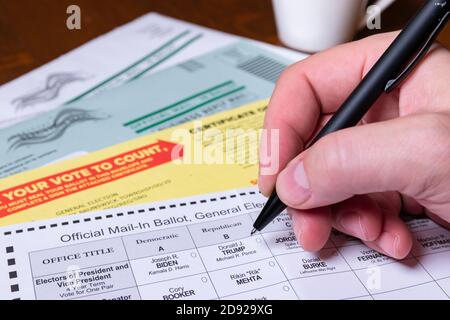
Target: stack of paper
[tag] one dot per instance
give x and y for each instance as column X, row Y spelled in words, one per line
column 140, row 48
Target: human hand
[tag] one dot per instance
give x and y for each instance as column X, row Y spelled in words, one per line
column 357, row 180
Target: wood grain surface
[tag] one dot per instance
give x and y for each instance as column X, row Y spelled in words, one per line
column 33, row 32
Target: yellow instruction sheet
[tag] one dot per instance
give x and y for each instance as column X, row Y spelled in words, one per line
column 214, row 154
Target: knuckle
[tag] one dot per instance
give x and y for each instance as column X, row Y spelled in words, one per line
column 292, row 72
column 287, row 74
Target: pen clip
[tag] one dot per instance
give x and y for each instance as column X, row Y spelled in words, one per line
column 392, row 84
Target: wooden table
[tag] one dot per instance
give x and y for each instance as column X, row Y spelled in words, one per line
column 33, row 32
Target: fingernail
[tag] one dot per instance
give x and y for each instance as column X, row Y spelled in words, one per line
column 293, row 184
column 388, row 242
column 351, row 223
column 265, row 159
column 300, row 176
column 297, row 224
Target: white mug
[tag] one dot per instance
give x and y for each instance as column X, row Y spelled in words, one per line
column 316, row 25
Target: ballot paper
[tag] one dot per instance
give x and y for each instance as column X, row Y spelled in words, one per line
column 218, row 153
column 142, row 47
column 223, row 79
column 200, row 248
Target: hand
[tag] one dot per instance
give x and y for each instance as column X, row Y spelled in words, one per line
column 357, row 180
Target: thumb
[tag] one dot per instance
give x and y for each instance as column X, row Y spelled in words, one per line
column 405, row 155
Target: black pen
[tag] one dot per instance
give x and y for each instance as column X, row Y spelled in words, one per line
column 403, row 55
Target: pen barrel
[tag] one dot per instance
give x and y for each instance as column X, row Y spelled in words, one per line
column 391, row 63
column 272, row 209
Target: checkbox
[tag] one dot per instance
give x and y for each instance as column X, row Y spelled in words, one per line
column 9, row 249
column 13, row 274
column 11, row 262
column 14, row 288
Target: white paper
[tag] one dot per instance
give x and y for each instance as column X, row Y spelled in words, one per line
column 139, row 48
column 200, row 248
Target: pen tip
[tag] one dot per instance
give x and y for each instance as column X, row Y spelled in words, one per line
column 253, row 232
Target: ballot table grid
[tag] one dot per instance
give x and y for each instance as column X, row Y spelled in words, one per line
column 219, row 260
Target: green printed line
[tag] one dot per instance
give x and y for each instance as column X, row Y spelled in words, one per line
column 176, row 38
column 167, row 57
column 179, row 102
column 191, row 109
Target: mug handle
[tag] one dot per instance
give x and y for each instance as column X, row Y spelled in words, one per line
column 382, row 5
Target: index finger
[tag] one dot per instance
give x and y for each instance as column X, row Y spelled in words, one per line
column 307, row 90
